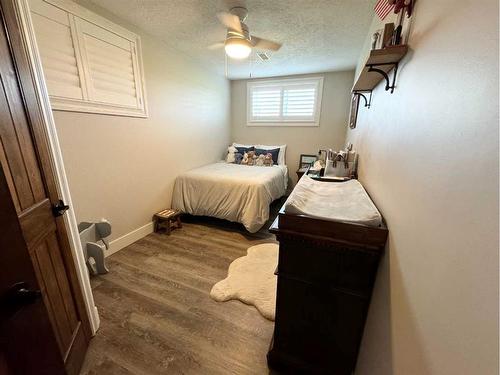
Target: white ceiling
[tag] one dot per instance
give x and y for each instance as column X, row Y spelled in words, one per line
column 317, row 35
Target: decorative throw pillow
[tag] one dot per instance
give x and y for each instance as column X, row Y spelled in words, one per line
column 281, row 155
column 274, row 153
column 238, row 158
column 242, row 149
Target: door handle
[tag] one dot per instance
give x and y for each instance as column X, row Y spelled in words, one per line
column 20, row 294
column 59, row 209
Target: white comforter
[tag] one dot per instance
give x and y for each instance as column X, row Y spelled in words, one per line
column 232, row 192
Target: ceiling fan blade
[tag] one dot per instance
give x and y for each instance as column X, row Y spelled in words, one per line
column 216, row 45
column 230, row 21
column 265, row 44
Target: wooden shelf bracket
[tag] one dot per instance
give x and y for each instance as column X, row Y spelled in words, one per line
column 388, row 85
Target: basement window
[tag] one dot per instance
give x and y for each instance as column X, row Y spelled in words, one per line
column 286, row 102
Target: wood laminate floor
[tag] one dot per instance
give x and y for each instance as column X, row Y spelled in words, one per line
column 156, row 313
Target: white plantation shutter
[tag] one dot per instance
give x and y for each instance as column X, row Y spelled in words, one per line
column 54, row 38
column 289, row 102
column 299, row 102
column 266, row 102
column 89, row 63
column 110, row 65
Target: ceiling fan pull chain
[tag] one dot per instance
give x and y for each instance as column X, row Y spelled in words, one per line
column 225, row 64
column 251, row 65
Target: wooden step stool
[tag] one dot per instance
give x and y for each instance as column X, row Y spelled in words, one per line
column 166, row 220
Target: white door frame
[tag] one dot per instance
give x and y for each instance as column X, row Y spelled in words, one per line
column 28, row 36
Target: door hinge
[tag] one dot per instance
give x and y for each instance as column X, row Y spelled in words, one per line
column 59, row 209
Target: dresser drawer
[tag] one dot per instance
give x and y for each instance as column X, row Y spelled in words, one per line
column 318, row 325
column 342, row 267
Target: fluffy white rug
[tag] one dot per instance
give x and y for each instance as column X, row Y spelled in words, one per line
column 251, row 280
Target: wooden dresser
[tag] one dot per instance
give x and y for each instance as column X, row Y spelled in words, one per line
column 326, row 271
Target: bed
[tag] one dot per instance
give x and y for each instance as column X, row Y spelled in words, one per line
column 238, row 193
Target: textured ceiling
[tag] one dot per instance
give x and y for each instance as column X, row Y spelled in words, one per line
column 317, row 35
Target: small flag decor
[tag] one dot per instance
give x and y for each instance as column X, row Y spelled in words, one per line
column 383, row 8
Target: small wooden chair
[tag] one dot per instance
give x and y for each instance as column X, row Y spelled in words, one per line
column 166, row 220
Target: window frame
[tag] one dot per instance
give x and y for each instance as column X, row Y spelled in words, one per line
column 89, row 104
column 283, row 83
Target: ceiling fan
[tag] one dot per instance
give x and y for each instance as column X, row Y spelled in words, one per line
column 239, row 42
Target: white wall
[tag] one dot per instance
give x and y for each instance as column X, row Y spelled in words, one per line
column 429, row 159
column 123, row 168
column 299, row 140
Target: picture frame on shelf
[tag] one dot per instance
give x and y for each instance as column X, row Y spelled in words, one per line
column 307, row 161
column 387, row 35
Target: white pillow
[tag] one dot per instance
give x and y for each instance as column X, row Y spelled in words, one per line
column 281, row 154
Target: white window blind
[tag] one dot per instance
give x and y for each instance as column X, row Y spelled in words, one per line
column 89, row 63
column 266, row 102
column 290, row 102
column 299, row 102
column 54, row 38
column 110, row 63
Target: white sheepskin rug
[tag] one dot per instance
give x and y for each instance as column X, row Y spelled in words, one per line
column 251, row 280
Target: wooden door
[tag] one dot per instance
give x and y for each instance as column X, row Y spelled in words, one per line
column 28, row 169
column 27, row 341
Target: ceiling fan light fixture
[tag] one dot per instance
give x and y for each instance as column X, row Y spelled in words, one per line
column 238, row 48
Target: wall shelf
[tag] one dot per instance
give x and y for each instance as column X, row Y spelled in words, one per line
column 377, row 68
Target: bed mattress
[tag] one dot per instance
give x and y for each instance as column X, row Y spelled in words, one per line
column 233, row 192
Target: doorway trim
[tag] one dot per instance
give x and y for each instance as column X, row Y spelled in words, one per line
column 28, row 36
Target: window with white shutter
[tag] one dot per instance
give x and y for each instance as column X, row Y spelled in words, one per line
column 266, row 102
column 55, row 43
column 287, row 102
column 89, row 63
column 110, row 65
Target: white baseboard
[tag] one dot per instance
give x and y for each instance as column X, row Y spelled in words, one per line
column 129, row 238
column 97, row 321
